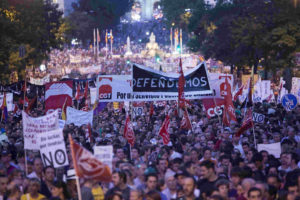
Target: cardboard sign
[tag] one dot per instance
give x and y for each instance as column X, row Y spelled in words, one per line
column 53, row 149
column 259, row 118
column 274, row 149
column 104, row 154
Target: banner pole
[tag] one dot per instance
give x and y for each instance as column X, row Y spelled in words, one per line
column 25, row 88
column 75, row 167
column 26, row 168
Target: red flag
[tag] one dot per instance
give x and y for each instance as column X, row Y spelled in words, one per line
column 16, row 108
column 268, row 99
column 86, row 165
column 86, row 89
column 247, row 123
column 163, row 132
column 151, row 111
column 181, row 82
column 128, row 132
column 239, row 92
column 185, row 122
column 30, row 105
column 229, row 111
column 77, row 95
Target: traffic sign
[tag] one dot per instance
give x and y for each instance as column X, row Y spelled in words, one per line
column 289, row 102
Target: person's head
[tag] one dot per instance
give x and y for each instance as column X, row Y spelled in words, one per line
column 236, row 176
column 5, row 157
column 207, row 169
column 264, row 188
column 119, row 178
column 225, row 160
column 141, row 169
column 38, row 165
column 49, row 173
column 292, row 188
column 120, row 154
column 189, row 185
column 162, row 165
column 151, row 181
column 207, row 154
column 190, row 168
column 153, row 195
column 170, row 180
column 274, row 181
column 59, row 189
column 246, row 147
column 135, row 195
column 247, row 183
column 34, row 186
column 254, row 194
column 223, row 187
column 135, row 153
column 3, row 184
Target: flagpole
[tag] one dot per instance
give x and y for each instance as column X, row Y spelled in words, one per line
column 25, row 88
column 75, row 166
column 111, row 41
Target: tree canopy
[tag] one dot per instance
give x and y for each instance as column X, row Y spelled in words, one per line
column 28, row 30
column 245, row 32
column 102, row 14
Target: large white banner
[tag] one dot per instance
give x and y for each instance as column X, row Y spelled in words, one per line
column 114, row 88
column 53, row 148
column 9, row 101
column 32, row 127
column 78, row 117
column 104, row 154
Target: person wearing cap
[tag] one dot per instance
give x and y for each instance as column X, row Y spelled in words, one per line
column 171, row 183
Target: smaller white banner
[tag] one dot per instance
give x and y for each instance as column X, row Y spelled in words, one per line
column 78, row 117
column 104, row 154
column 9, row 101
column 274, row 149
column 53, row 148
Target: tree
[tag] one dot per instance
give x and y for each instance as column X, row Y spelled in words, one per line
column 102, row 14
column 32, row 25
column 246, row 32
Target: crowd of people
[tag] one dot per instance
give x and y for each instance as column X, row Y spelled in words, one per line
column 207, row 162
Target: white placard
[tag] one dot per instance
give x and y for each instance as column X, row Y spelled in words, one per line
column 78, row 117
column 259, row 118
column 9, row 101
column 104, row 154
column 93, row 94
column 274, row 149
column 61, row 123
column 53, row 149
column 35, row 126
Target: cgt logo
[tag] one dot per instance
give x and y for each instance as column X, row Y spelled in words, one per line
column 105, row 89
column 215, row 111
